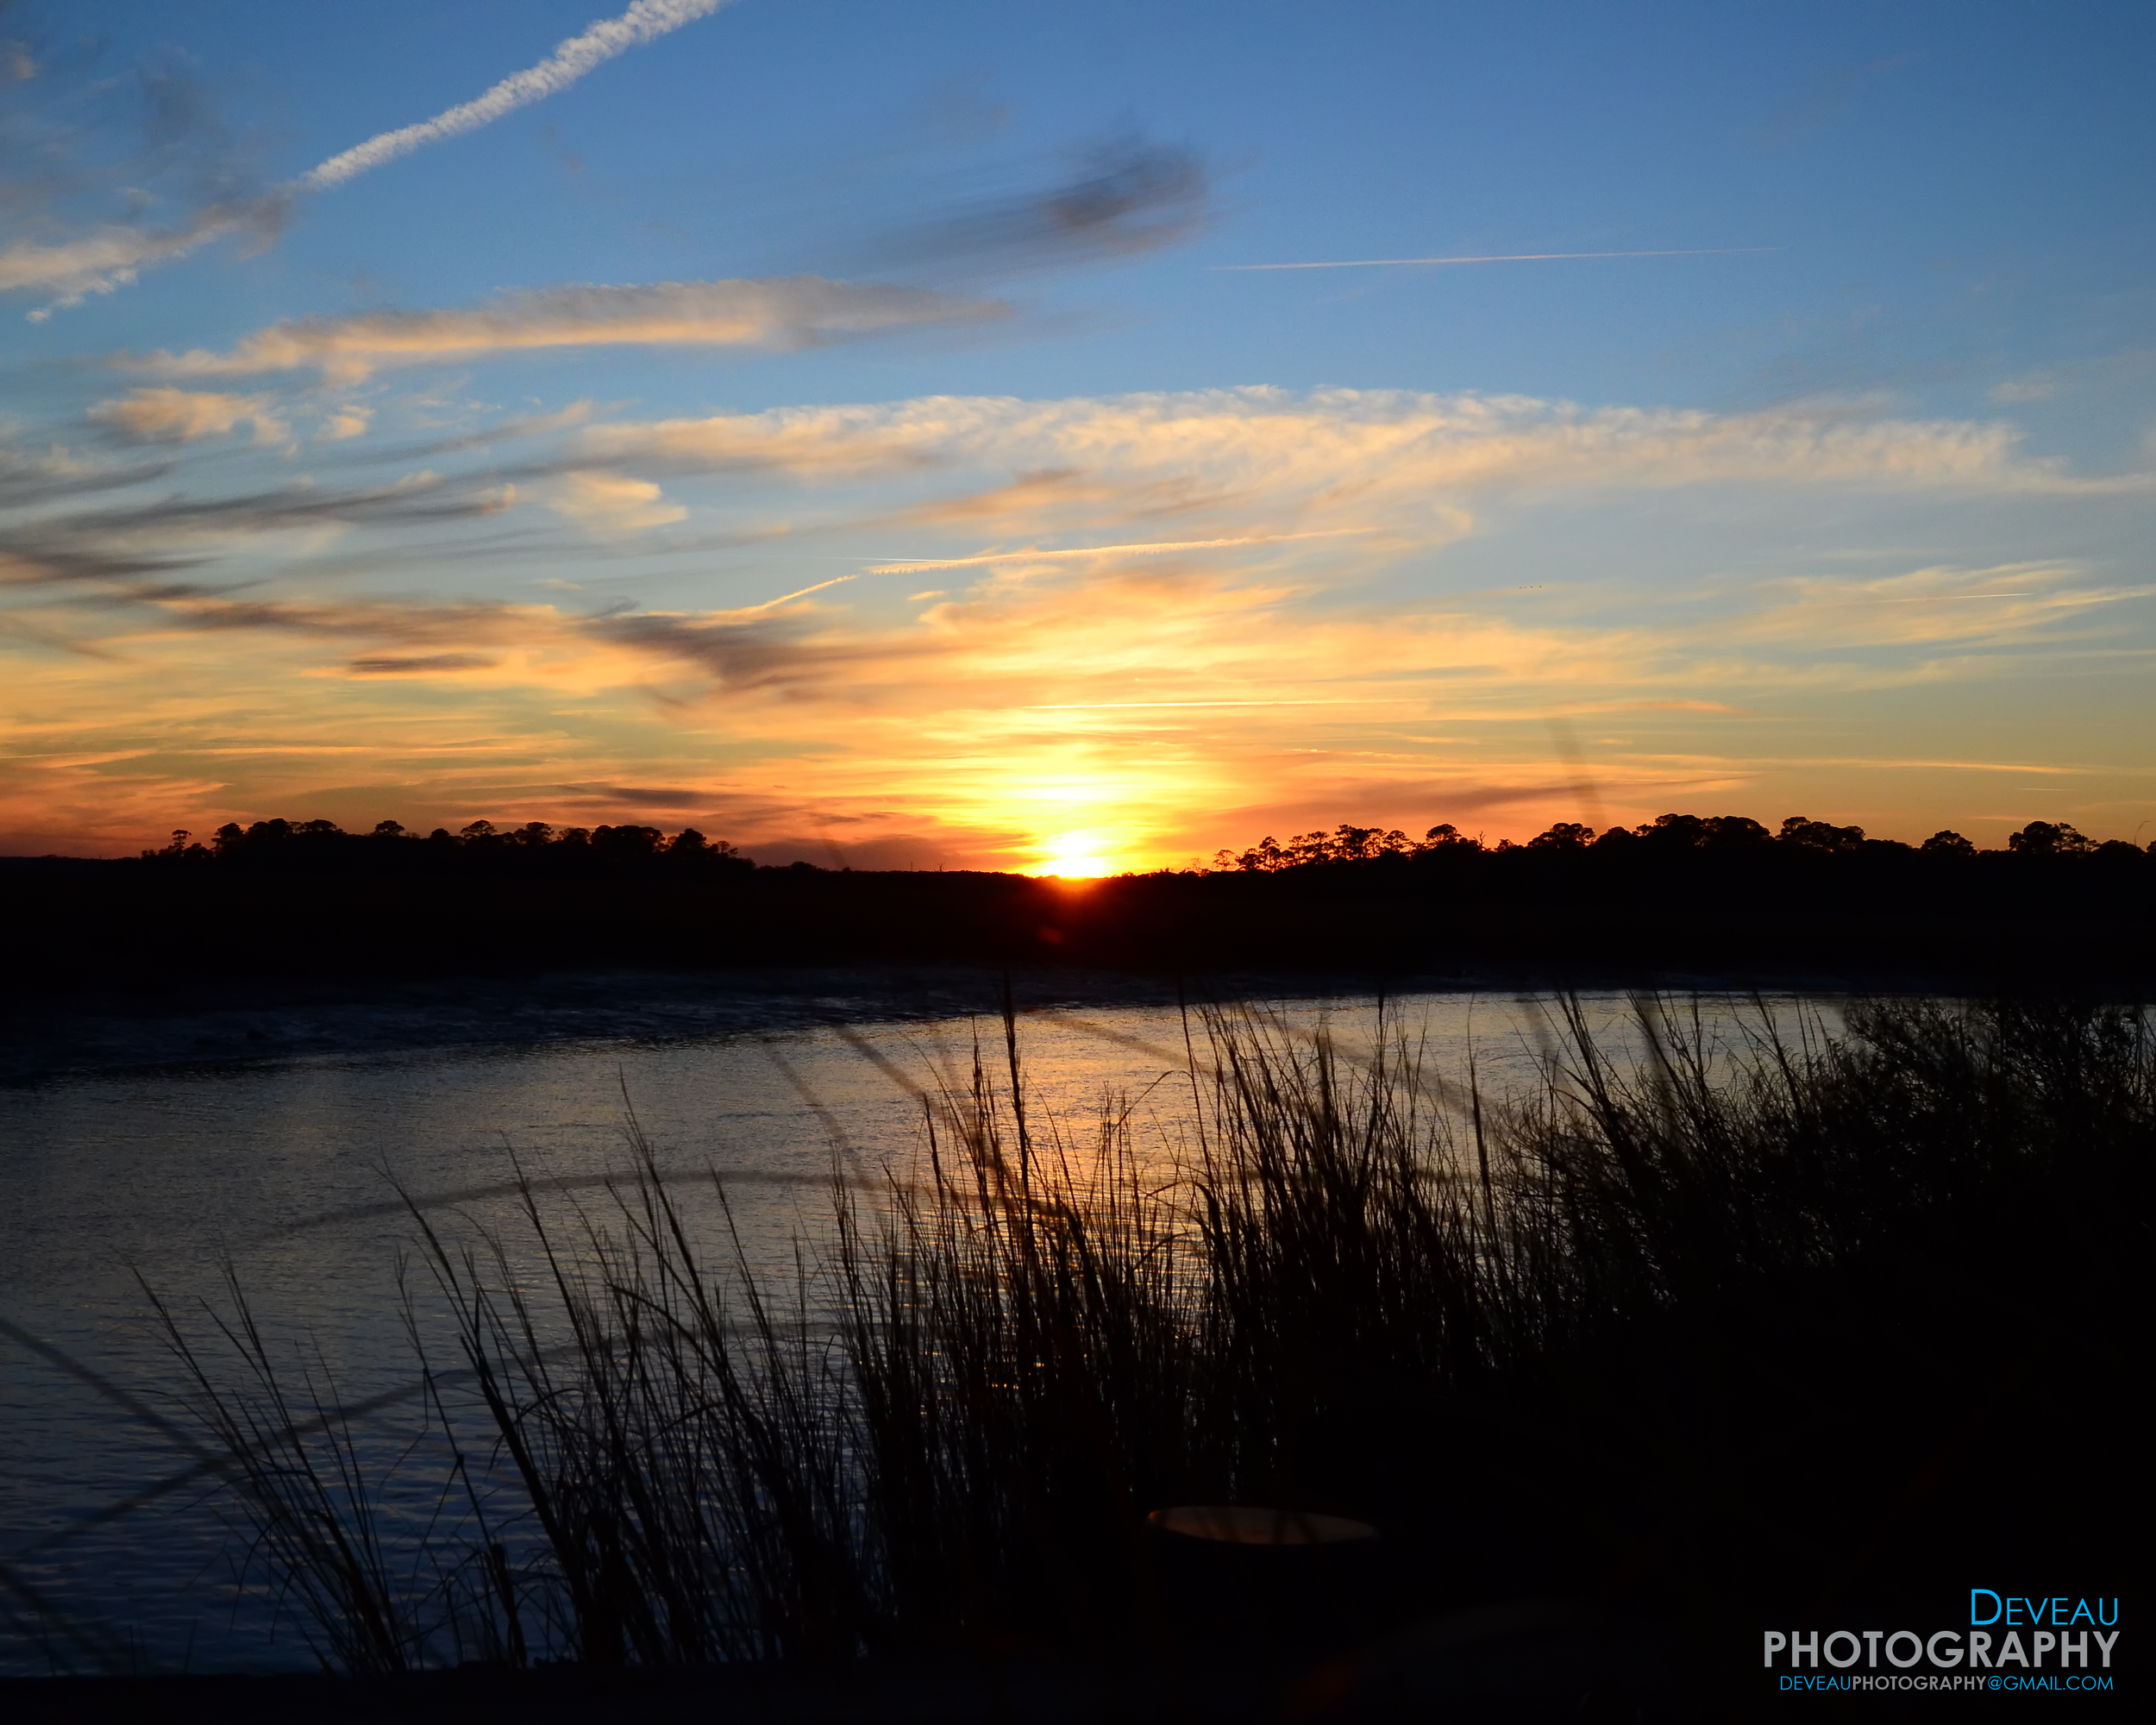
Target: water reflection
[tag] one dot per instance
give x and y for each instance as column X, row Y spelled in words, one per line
column 292, row 1174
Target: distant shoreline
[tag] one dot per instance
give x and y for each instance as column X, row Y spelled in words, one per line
column 169, row 936
column 253, row 1022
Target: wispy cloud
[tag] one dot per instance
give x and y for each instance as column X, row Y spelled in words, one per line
column 420, row 664
column 93, row 167
column 1128, row 196
column 181, row 416
column 798, row 311
column 1336, row 451
column 107, row 258
column 608, row 504
column 111, row 255
column 345, row 424
column 1328, row 628
column 124, row 541
column 1083, row 553
column 2014, row 602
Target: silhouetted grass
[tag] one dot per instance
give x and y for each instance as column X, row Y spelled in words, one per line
column 1693, row 1332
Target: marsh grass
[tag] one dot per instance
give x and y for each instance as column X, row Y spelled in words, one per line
column 1716, row 1322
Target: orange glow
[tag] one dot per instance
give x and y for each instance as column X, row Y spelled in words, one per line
column 1295, row 654
column 1077, row 856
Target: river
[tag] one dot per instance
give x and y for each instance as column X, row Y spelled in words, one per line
column 275, row 1145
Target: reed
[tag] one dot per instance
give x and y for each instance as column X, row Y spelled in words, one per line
column 1690, row 1329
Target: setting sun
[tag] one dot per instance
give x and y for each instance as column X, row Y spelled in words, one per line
column 1075, row 856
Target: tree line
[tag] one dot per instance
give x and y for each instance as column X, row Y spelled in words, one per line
column 1668, row 834
column 305, row 843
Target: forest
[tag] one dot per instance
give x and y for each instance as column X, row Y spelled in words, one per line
column 1681, row 898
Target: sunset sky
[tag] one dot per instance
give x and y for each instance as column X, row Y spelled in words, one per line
column 1004, row 435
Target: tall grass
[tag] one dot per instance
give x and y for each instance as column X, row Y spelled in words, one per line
column 1695, row 1329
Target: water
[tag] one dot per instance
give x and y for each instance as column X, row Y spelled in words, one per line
column 113, row 1551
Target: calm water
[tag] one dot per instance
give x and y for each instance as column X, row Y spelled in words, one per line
column 283, row 1168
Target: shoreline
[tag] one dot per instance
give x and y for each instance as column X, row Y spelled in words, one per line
column 240, row 1023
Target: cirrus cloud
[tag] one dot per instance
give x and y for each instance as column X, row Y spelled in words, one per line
column 1154, row 606
column 607, row 504
column 181, row 415
column 1341, row 448
column 782, row 313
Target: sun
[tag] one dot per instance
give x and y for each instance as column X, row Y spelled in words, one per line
column 1074, row 856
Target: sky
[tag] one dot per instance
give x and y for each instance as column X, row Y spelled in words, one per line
column 965, row 434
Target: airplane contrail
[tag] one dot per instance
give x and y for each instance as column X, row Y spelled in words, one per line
column 787, row 599
column 900, row 566
column 115, row 256
column 1501, row 258
column 600, row 42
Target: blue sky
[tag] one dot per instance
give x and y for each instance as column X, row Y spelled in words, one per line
column 423, row 495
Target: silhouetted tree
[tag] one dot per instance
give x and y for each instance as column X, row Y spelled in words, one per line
column 627, row 844
column 1819, row 834
column 1699, row 832
column 2047, row 838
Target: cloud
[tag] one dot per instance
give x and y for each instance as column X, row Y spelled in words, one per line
column 1377, row 455
column 793, row 657
column 99, row 262
column 345, row 424
column 423, row 664
column 1164, row 547
column 110, row 255
column 2012, row 603
column 646, row 796
column 826, row 443
column 124, row 541
column 607, row 504
column 181, row 416
column 1154, row 607
column 2036, row 387
column 46, row 475
column 1130, row 197
column 788, row 312
column 571, row 60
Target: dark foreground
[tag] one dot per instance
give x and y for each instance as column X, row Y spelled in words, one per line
column 1526, row 1664
column 165, row 931
column 1628, row 1376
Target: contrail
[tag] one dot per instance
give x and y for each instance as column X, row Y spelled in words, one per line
column 114, row 257
column 1074, row 706
column 787, row 599
column 900, row 566
column 1502, row 257
column 599, row 43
